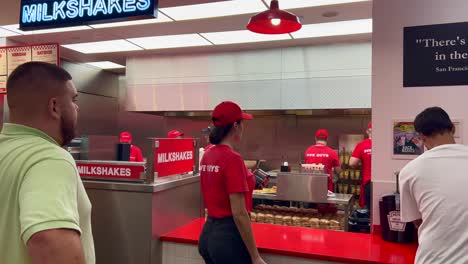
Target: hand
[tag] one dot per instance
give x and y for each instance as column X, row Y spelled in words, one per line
column 258, row 260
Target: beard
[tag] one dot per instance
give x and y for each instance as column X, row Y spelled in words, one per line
column 68, row 129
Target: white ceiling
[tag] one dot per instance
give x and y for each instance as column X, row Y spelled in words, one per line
column 200, row 30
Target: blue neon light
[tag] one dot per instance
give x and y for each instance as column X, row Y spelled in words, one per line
column 73, row 10
column 55, row 13
column 114, row 4
column 58, row 10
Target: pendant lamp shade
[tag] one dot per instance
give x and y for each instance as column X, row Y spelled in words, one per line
column 274, row 21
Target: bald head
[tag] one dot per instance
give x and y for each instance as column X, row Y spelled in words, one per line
column 31, row 85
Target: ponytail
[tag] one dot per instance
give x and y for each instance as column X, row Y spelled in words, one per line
column 218, row 134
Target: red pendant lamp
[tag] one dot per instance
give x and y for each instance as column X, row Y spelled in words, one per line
column 274, row 21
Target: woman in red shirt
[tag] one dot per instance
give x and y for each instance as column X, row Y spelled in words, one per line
column 227, row 190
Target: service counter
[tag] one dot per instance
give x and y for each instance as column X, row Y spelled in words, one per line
column 295, row 245
column 129, row 218
column 134, row 203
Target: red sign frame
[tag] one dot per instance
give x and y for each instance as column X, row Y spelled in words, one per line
column 111, row 171
column 173, row 156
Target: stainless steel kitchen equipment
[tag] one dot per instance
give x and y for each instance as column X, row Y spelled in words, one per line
column 302, row 187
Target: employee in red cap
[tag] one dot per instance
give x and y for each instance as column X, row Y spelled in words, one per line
column 175, row 134
column 135, row 152
column 227, row 191
column 320, row 153
column 362, row 154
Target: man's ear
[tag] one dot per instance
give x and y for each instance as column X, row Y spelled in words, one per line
column 53, row 108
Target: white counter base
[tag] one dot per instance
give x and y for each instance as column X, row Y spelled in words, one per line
column 177, row 253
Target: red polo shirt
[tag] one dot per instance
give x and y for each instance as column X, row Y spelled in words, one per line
column 321, row 154
column 135, row 154
column 223, row 172
column 363, row 151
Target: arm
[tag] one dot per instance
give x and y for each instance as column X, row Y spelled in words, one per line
column 354, row 162
column 337, row 170
column 408, row 206
column 49, row 213
column 242, row 220
column 140, row 156
column 356, row 156
column 56, row 246
column 336, row 163
column 417, row 223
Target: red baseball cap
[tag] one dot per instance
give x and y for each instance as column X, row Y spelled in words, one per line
column 174, row 134
column 321, row 133
column 125, row 137
column 227, row 113
column 369, row 125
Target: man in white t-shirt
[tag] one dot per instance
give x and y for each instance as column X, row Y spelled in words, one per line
column 434, row 190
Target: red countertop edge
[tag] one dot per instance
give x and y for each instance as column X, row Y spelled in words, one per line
column 189, row 233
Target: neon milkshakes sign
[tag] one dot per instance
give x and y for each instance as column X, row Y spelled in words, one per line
column 40, row 14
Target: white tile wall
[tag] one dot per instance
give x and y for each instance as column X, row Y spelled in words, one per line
column 176, row 253
column 316, row 77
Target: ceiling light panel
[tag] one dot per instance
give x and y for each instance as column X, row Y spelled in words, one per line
column 171, row 41
column 160, row 19
column 241, row 36
column 218, row 9
column 15, row 28
column 290, row 4
column 103, row 46
column 335, row 29
column 105, row 65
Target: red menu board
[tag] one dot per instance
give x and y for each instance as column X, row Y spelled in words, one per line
column 13, row 56
column 3, row 70
column 173, row 156
column 17, row 56
column 125, row 172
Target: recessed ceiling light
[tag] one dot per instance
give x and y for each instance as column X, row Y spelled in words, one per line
column 106, row 65
column 335, row 29
column 160, row 19
column 171, row 41
column 290, row 4
column 218, row 9
column 103, row 46
column 241, row 36
column 15, row 28
column 7, row 33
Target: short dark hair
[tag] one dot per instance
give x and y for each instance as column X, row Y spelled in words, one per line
column 218, row 134
column 433, row 121
column 35, row 77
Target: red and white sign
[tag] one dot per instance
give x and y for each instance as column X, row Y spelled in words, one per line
column 126, row 172
column 45, row 53
column 3, row 81
column 17, row 56
column 173, row 156
column 3, row 61
column 13, row 56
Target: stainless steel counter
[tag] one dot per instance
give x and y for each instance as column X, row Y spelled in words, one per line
column 340, row 198
column 128, row 218
column 161, row 184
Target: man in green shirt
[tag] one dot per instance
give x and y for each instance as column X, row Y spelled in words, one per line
column 45, row 213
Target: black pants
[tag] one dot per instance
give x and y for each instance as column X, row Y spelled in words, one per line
column 367, row 195
column 221, row 243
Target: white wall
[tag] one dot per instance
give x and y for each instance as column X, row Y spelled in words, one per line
column 315, row 77
column 389, row 99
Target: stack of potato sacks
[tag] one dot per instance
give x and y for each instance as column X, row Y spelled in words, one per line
column 301, row 217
